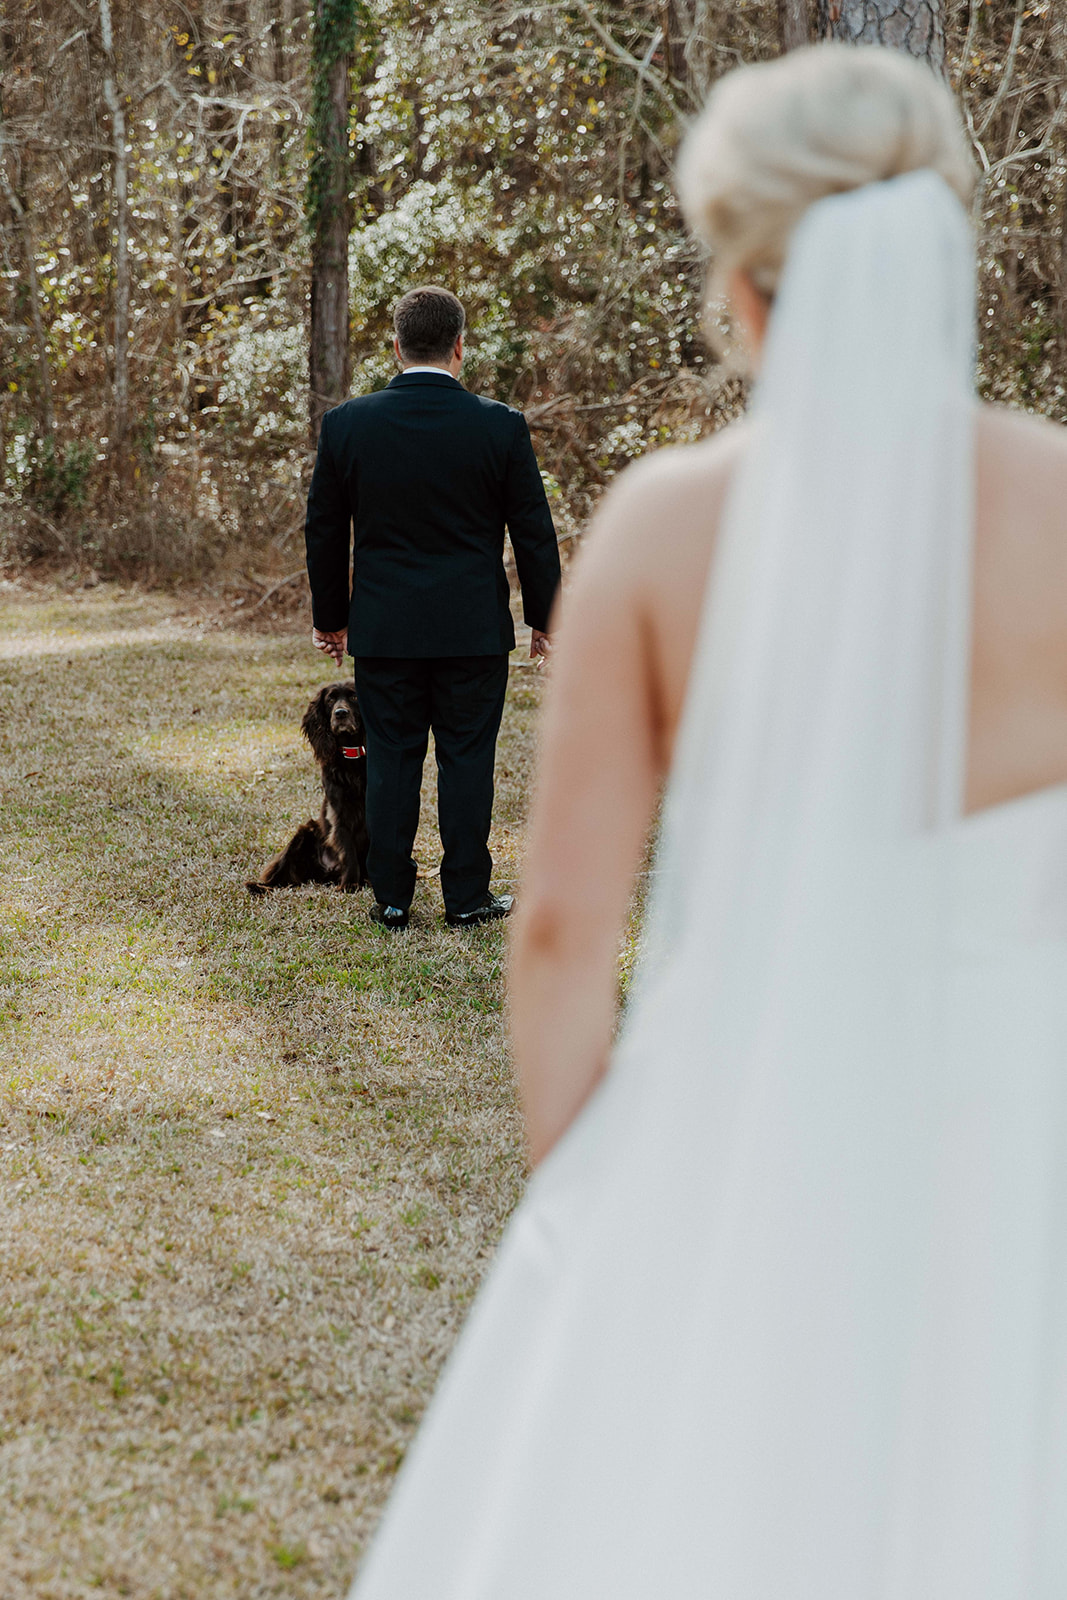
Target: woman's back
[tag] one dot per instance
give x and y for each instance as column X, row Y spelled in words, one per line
column 657, row 533
column 1018, row 722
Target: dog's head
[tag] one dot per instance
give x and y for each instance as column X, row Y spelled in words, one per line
column 332, row 723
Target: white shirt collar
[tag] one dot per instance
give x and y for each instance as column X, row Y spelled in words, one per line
column 442, row 372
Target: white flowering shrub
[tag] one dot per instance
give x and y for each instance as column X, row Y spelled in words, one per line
column 18, row 463
column 627, row 440
column 443, row 233
column 264, row 383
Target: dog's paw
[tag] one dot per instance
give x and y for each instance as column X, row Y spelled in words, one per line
column 256, row 888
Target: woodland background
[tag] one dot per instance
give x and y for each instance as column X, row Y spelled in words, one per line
column 163, row 169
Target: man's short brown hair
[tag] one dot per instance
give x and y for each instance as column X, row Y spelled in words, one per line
column 428, row 321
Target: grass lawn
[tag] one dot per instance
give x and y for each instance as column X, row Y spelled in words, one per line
column 255, row 1153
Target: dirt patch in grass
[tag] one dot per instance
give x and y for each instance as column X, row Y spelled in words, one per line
column 255, row 1153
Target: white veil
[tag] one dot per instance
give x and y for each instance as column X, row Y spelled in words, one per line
column 702, row 1363
column 789, row 1036
column 827, row 705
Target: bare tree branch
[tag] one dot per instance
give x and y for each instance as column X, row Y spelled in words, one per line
column 1009, row 68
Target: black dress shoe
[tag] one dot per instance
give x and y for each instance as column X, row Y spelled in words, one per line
column 388, row 916
column 492, row 907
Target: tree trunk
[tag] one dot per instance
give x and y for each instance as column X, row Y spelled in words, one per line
column 328, row 205
column 687, row 33
column 45, row 412
column 120, row 389
column 794, row 24
column 914, row 26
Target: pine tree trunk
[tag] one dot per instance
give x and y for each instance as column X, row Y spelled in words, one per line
column 794, row 24
column 120, row 391
column 329, row 208
column 914, row 26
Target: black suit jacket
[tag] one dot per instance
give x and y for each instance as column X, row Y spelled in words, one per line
column 427, row 475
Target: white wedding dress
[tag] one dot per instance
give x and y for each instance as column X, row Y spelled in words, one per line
column 784, row 1315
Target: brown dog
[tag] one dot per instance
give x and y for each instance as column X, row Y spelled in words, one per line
column 332, row 849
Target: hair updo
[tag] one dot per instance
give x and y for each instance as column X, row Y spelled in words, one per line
column 776, row 137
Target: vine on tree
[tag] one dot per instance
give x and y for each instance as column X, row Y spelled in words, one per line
column 340, row 27
column 343, row 32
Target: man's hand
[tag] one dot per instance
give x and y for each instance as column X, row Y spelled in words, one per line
column 540, row 645
column 331, row 644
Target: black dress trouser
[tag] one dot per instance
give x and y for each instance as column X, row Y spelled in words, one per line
column 461, row 698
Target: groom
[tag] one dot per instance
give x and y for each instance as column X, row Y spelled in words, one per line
column 428, row 475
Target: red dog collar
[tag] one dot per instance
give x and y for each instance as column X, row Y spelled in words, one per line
column 353, row 752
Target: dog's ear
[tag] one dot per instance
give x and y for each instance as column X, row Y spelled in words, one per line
column 316, row 725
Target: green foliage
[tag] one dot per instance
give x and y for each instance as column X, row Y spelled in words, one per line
column 55, row 479
column 66, row 478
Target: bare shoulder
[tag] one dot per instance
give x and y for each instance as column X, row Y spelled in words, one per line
column 676, row 473
column 1022, row 504
column 642, row 572
column 1014, row 445
column 666, row 503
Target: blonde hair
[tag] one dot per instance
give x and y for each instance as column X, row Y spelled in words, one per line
column 776, row 137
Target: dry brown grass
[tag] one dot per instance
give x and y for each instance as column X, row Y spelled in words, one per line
column 254, row 1153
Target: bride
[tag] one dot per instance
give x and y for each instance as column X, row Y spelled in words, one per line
column 783, row 1315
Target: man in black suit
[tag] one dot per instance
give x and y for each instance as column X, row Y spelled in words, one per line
column 428, row 475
